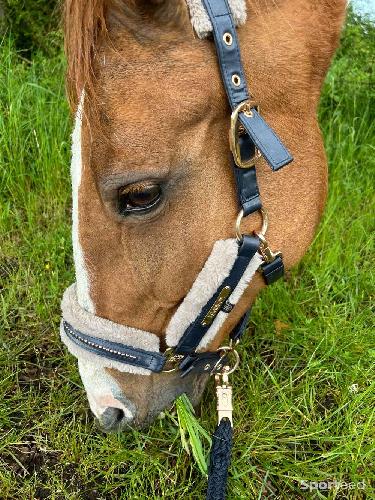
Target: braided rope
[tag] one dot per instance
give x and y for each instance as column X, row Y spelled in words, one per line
column 219, row 460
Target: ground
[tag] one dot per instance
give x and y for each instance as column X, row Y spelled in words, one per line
column 304, row 397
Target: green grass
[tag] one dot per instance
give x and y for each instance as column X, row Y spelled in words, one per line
column 304, row 396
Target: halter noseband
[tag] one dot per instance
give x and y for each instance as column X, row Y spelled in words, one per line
column 250, row 139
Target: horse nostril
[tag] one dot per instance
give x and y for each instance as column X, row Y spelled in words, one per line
column 111, row 417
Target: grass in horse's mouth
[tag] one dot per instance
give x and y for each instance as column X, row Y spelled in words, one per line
column 304, row 396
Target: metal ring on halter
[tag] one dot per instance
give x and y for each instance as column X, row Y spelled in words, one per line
column 173, row 360
column 246, row 108
column 228, row 349
column 263, row 231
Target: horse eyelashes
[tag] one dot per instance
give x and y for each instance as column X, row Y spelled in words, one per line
column 139, row 198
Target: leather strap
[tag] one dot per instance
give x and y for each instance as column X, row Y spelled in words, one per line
column 238, row 331
column 114, row 350
column 259, row 134
column 274, row 270
column 206, row 361
column 196, row 330
column 201, row 362
column 247, row 189
column 229, row 57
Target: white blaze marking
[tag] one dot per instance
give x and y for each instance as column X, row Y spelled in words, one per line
column 101, row 389
column 82, row 277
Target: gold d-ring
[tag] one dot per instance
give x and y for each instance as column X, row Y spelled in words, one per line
column 244, row 107
column 263, row 231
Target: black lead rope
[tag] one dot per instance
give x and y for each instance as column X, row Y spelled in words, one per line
column 220, row 460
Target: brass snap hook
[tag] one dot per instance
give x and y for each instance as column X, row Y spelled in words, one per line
column 265, row 251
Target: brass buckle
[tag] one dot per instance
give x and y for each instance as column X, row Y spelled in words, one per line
column 173, row 360
column 236, row 129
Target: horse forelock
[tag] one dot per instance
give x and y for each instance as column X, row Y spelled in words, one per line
column 89, row 25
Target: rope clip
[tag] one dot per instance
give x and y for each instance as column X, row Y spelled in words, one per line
column 265, row 251
column 224, row 404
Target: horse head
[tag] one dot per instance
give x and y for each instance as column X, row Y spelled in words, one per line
column 154, row 198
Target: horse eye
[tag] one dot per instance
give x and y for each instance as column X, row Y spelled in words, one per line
column 138, row 198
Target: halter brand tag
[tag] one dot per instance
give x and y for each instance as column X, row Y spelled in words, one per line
column 215, row 308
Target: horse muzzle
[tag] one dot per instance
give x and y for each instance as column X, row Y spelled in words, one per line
column 122, row 400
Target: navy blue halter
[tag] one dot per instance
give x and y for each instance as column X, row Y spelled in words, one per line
column 251, row 137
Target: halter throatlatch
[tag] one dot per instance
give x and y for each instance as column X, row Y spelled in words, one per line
column 251, row 140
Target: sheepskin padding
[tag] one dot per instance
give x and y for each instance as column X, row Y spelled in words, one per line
column 201, row 22
column 90, row 324
column 214, row 272
column 234, row 297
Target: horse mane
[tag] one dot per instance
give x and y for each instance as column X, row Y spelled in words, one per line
column 88, row 25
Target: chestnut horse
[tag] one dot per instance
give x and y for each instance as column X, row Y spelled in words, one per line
column 152, row 186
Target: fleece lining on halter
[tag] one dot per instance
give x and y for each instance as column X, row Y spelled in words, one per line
column 214, row 272
column 102, row 328
column 201, row 22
